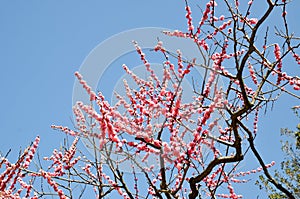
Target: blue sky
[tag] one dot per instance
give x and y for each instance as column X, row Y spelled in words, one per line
column 42, row 44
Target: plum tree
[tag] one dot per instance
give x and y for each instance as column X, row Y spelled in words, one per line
column 197, row 144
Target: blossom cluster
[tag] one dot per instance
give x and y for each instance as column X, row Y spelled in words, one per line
column 154, row 121
column 12, row 184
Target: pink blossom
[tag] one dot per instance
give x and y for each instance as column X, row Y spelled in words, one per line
column 176, row 33
column 205, row 13
column 236, row 3
column 253, row 21
column 86, row 86
column 284, row 14
column 279, row 65
column 189, row 18
column 31, row 153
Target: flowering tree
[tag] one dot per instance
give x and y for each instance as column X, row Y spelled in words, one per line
column 198, row 144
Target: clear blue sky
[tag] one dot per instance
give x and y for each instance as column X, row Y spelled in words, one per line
column 42, row 44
